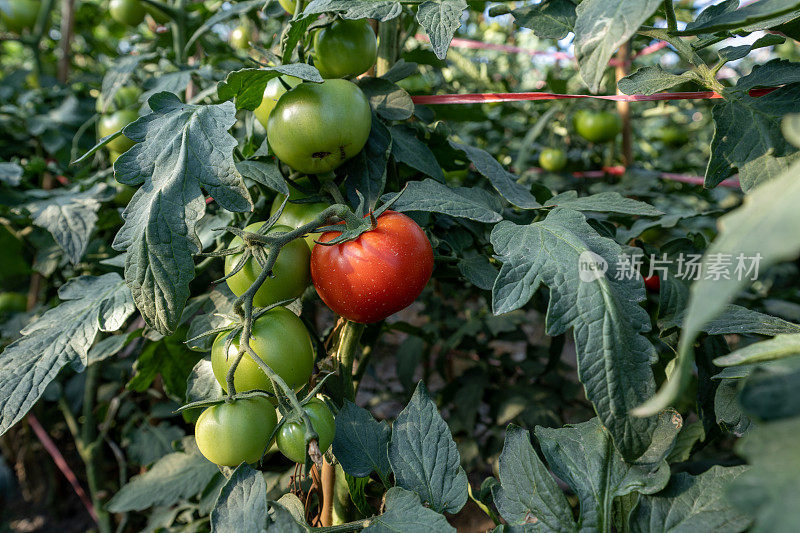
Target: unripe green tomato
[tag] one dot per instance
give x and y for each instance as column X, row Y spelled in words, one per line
column 229, row 434
column 19, row 15
column 124, row 98
column 281, row 340
column 13, row 302
column 124, row 192
column 672, row 135
column 272, row 92
column 114, row 122
column 290, row 275
column 597, row 126
column 316, row 127
column 295, row 215
column 130, row 12
column 288, row 5
column 345, row 49
column 240, row 38
column 291, row 438
column 553, row 159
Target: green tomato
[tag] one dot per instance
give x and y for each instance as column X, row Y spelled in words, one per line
column 345, row 49
column 290, row 275
column 316, row 127
column 295, row 215
column 272, row 92
column 113, row 123
column 124, row 192
column 124, row 98
column 288, row 5
column 129, row 12
column 13, row 302
column 240, row 38
column 281, row 340
column 553, row 159
column 230, row 434
column 672, row 136
column 291, row 437
column 19, row 15
column 600, row 126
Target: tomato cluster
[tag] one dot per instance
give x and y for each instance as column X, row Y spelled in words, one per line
column 313, row 128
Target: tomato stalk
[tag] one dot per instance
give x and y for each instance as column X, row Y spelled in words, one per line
column 345, row 356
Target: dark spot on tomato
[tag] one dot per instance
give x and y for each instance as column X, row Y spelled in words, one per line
column 320, row 155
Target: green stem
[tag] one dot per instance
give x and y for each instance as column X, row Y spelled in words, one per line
column 345, row 355
column 388, row 46
column 91, row 446
column 357, row 525
column 669, row 13
column 702, row 73
column 179, row 32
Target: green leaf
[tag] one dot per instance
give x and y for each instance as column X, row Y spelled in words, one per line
column 748, row 230
column 247, row 85
column 769, row 350
column 479, row 271
column 552, row 19
column 770, row 489
column 292, row 35
column 407, row 149
column 735, row 319
column 772, row 392
column 527, row 493
column 151, row 443
column 10, row 174
column 691, row 503
column 424, row 457
column 463, row 202
column 764, row 168
column 652, row 79
column 732, row 53
column 171, row 359
column 791, row 128
column 222, row 15
column 756, row 119
column 366, row 171
column 741, row 18
column 614, row 356
column 242, row 503
column 265, row 173
column 174, row 477
column 583, row 457
column 388, row 100
column 202, row 384
column 61, row 336
column 771, row 74
column 604, row 202
column 440, row 19
column 70, row 216
column 601, row 27
column 381, row 10
column 180, row 149
column 503, row 181
column 361, row 443
column 405, row 513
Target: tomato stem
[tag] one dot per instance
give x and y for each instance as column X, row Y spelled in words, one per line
column 345, row 355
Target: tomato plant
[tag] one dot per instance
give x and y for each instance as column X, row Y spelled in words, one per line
column 482, row 348
column 345, row 49
column 377, row 274
column 279, row 339
column 290, row 275
column 231, row 433
column 316, row 127
column 291, row 438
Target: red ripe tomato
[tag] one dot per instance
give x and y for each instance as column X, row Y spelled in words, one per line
column 652, row 283
column 377, row 274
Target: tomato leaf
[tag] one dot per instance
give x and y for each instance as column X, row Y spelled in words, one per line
column 174, row 477
column 361, row 443
column 265, row 173
column 614, row 356
column 552, row 19
column 756, row 119
column 464, row 202
column 745, row 17
column 777, row 348
column 440, row 19
column 502, row 180
column 407, row 149
column 366, row 172
column 652, row 79
column 381, row 10
column 405, row 513
column 527, row 489
column 692, row 503
column 604, row 202
column 424, row 456
column 10, row 174
column 242, row 503
column 61, row 336
column 388, row 100
column 180, row 149
column 601, row 27
column 247, row 85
